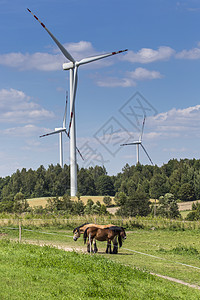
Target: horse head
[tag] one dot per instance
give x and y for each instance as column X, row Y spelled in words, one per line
column 123, row 233
column 76, row 233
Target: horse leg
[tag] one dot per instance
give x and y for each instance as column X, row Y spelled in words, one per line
column 108, row 249
column 95, row 246
column 88, row 246
column 115, row 245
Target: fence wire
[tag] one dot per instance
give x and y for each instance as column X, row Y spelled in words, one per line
column 131, row 250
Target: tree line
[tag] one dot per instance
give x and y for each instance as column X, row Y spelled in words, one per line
column 179, row 178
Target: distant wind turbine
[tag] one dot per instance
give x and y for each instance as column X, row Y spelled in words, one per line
column 139, row 142
column 60, row 130
column 73, row 67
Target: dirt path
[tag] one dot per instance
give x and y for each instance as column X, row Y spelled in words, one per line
column 177, row 281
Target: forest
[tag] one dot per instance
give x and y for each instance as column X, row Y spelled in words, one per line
column 181, row 178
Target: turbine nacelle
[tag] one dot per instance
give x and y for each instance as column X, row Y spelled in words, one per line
column 60, row 129
column 68, row 66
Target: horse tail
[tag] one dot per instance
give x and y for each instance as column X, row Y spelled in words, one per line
column 119, row 240
column 85, row 235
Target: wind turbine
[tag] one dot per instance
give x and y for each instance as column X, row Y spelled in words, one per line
column 73, row 67
column 60, row 130
column 139, row 143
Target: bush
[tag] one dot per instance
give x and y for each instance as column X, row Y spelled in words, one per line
column 107, row 200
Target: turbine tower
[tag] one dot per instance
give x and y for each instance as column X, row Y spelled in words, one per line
column 139, row 143
column 60, row 130
column 72, row 66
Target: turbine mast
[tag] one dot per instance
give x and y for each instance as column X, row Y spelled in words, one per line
column 73, row 67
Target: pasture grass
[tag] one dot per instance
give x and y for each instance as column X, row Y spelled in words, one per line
column 166, row 250
column 33, row 272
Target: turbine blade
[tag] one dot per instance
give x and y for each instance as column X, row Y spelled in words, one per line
column 147, row 154
column 73, row 97
column 97, row 57
column 79, row 153
column 142, row 129
column 133, row 143
column 54, row 132
column 76, row 147
column 65, row 114
column 60, row 46
column 47, row 134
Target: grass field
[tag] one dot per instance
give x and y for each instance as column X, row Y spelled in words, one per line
column 43, row 201
column 32, row 272
column 165, row 252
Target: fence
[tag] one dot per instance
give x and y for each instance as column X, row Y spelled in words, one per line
column 128, row 223
column 21, row 229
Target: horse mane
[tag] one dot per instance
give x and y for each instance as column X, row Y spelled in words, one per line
column 77, row 228
column 116, row 228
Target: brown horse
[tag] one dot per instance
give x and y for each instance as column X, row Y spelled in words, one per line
column 81, row 229
column 105, row 234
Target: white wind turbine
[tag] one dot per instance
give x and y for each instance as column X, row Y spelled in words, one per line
column 139, row 143
column 73, row 67
column 60, row 130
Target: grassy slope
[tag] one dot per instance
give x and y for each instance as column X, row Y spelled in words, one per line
column 32, row 272
column 170, row 246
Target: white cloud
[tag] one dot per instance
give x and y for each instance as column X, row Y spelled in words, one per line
column 16, row 106
column 189, row 54
column 175, row 123
column 80, row 49
column 27, row 130
column 116, row 82
column 147, row 55
column 131, row 78
column 38, row 61
column 51, row 62
column 144, row 74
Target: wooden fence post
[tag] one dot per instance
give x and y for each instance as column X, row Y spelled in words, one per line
column 155, row 208
column 20, row 231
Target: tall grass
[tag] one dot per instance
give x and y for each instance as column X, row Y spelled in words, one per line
column 71, row 222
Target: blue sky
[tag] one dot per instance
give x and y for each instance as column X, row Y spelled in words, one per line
column 158, row 76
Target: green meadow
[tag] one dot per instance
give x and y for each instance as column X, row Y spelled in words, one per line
column 33, row 272
column 170, row 249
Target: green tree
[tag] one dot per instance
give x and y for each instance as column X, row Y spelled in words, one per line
column 88, row 207
column 107, row 200
column 86, row 184
column 120, row 198
column 194, row 215
column 158, row 186
column 105, row 186
column 168, row 207
column 137, row 204
column 79, row 207
column 186, row 192
column 20, row 204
